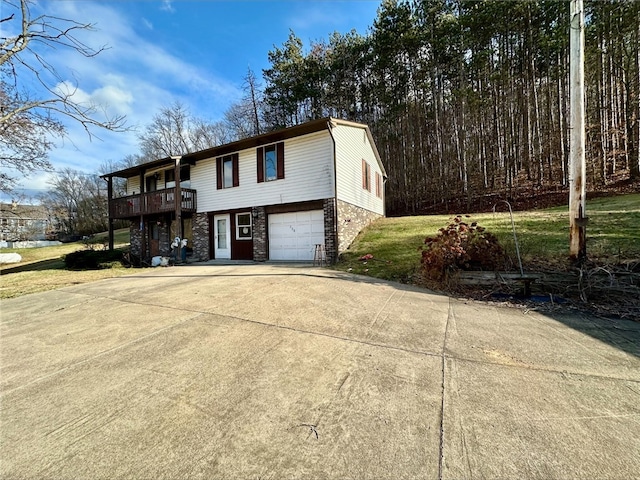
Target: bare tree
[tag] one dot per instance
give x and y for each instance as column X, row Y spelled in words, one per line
column 253, row 97
column 78, row 202
column 29, row 119
column 174, row 131
column 243, row 119
column 205, row 135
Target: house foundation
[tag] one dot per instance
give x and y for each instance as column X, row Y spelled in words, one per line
column 201, row 234
column 351, row 220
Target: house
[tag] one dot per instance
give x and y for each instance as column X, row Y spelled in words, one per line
column 270, row 197
column 23, row 222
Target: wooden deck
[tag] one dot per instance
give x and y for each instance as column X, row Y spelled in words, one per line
column 159, row 201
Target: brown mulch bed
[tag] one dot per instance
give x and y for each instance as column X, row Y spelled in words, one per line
column 612, row 291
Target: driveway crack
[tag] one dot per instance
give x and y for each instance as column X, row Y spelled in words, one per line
column 443, row 396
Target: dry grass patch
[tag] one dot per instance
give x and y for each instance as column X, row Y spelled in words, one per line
column 22, row 283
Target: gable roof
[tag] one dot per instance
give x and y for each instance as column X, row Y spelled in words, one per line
column 266, row 138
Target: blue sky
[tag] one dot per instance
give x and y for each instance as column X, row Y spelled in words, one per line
column 162, row 51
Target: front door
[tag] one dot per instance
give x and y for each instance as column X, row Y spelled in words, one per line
column 154, row 239
column 222, row 236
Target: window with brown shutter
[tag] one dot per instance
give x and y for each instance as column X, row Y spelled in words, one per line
column 280, row 166
column 219, row 173
column 227, row 174
column 270, row 162
column 378, row 185
column 260, row 166
column 235, row 158
column 366, row 175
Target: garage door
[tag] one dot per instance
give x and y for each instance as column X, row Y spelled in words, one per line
column 293, row 236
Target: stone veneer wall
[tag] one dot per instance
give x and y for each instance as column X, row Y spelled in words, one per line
column 329, row 207
column 136, row 238
column 351, row 220
column 200, row 242
column 260, row 247
column 164, row 240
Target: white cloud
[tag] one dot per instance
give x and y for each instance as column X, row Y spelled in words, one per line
column 132, row 77
column 167, row 6
column 115, row 100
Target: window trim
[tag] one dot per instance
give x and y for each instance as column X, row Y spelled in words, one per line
column 267, row 149
column 170, row 176
column 378, row 185
column 366, row 175
column 238, row 226
column 220, row 161
column 261, row 159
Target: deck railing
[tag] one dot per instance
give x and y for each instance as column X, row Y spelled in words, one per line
column 159, row 201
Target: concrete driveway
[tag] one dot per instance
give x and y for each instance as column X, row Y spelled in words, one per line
column 269, row 371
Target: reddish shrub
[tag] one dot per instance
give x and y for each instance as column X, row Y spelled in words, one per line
column 460, row 246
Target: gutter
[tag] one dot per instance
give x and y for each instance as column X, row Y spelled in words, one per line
column 330, row 126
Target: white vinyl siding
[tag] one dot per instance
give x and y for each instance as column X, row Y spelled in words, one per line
column 293, row 236
column 308, row 166
column 133, row 185
column 352, row 147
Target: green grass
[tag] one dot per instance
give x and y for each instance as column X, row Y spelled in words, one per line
column 30, row 255
column 43, row 269
column 33, row 281
column 613, row 235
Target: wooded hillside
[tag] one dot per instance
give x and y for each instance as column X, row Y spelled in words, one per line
column 469, row 99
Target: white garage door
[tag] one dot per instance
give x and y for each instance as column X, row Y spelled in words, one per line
column 293, row 236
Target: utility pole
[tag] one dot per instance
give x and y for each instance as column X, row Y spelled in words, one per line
column 577, row 163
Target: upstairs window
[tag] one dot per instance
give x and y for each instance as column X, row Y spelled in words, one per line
column 185, row 173
column 366, row 175
column 227, row 171
column 170, row 176
column 270, row 164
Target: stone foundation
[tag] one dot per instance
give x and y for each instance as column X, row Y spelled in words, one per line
column 164, row 240
column 351, row 220
column 329, row 207
column 337, row 238
column 200, row 241
column 136, row 238
column 260, row 244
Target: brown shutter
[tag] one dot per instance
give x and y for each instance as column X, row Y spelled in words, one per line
column 260, row 165
column 236, row 173
column 280, row 156
column 364, row 174
column 219, row 173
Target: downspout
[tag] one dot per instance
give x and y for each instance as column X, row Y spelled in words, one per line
column 178, row 199
column 330, row 126
column 142, row 227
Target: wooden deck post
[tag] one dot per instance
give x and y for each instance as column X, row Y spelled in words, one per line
column 178, row 199
column 109, row 216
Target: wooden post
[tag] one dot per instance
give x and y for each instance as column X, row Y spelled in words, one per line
column 577, row 163
column 109, row 198
column 178, row 199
